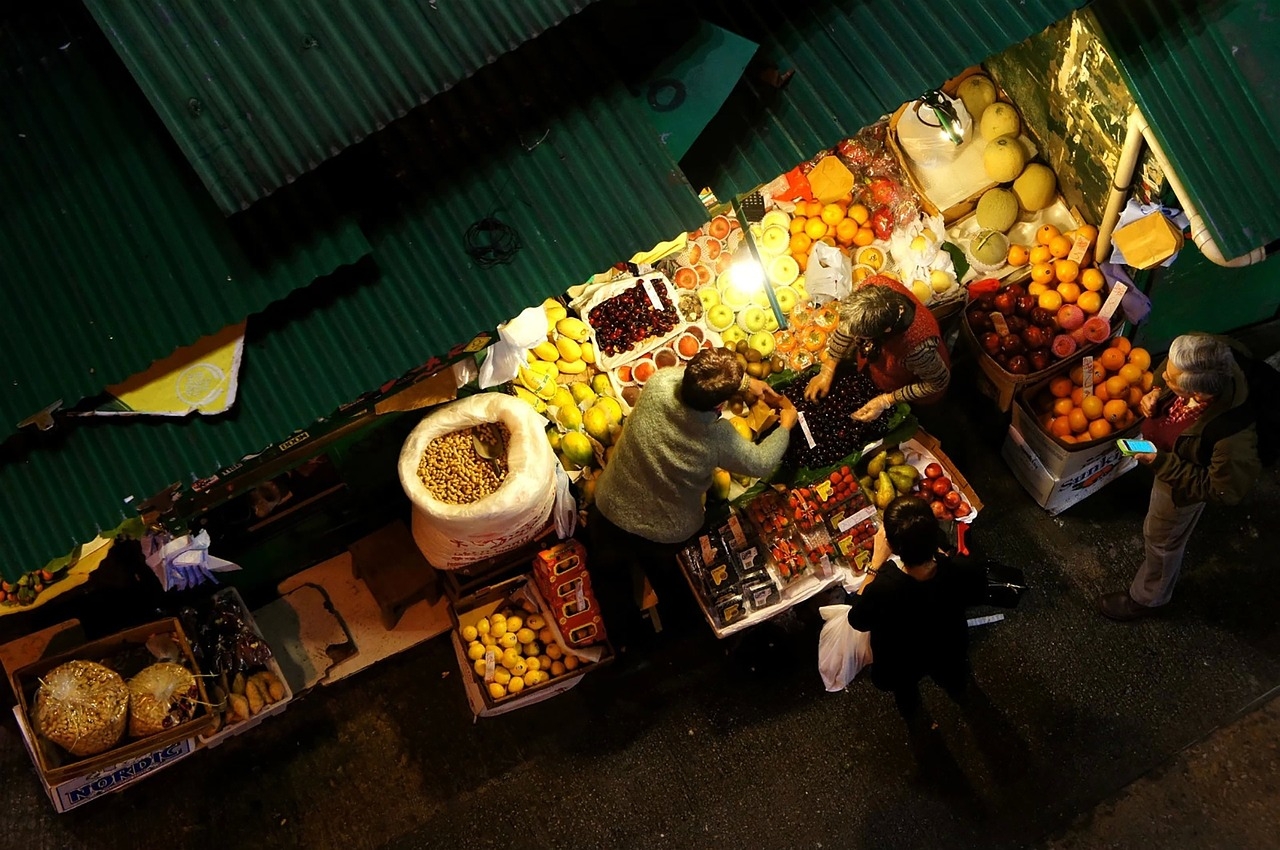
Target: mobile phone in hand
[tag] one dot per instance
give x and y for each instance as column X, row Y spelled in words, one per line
column 1136, row 447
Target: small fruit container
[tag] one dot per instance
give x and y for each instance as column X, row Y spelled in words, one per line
column 941, row 483
column 631, row 316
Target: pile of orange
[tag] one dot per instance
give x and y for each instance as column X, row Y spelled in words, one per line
column 1055, row 279
column 1121, row 376
column 842, row 224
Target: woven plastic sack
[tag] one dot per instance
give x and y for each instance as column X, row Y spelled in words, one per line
column 452, row 536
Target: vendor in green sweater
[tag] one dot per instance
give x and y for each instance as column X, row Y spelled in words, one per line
column 649, row 498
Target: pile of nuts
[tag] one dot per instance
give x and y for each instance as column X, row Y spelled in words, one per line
column 453, row 472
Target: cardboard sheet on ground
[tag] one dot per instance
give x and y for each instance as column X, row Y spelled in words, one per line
column 200, row 378
column 690, row 85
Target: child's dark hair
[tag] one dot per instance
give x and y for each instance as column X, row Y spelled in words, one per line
column 710, row 379
column 912, row 530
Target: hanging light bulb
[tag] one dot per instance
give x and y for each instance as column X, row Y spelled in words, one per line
column 936, row 105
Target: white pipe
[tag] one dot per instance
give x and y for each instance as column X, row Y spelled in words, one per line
column 1139, row 130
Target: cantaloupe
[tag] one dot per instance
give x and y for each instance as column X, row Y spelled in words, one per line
column 1004, row 158
column 977, row 93
column 989, row 247
column 1036, row 187
column 999, row 119
column 997, row 210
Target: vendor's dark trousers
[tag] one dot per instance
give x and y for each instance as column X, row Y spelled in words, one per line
column 618, row 562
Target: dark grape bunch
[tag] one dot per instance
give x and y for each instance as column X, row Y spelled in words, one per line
column 628, row 318
column 834, row 431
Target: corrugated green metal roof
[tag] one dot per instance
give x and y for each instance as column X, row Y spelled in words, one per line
column 855, row 60
column 1205, row 76
column 583, row 188
column 112, row 253
column 259, row 93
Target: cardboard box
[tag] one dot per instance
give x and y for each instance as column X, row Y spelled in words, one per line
column 230, row 731
column 55, row 766
column 78, row 790
column 561, row 574
column 484, row 604
column 1149, row 241
column 933, row 446
column 1001, row 386
column 1058, row 476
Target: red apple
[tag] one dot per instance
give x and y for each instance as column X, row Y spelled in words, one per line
column 1034, row 337
column 1018, row 365
column 939, row 509
column 991, row 342
column 933, row 470
column 1006, row 302
column 1026, row 303
column 940, row 485
column 963, row 510
column 952, row 499
column 1039, row 360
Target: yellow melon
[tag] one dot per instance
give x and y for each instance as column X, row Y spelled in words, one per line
column 997, row 209
column 1004, row 158
column 977, row 93
column 999, row 119
column 1036, row 187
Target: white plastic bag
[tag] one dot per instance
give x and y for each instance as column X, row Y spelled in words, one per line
column 514, row 339
column 829, row 274
column 842, row 650
column 566, row 506
column 452, row 536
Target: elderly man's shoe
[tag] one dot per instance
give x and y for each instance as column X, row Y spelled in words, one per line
column 1121, row 607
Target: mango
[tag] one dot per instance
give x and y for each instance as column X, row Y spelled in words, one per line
column 571, row 367
column 720, row 480
column 569, row 418
column 600, row 383
column 582, row 392
column 612, row 409
column 546, row 350
column 596, row 423
column 588, row 352
column 577, row 448
column 574, row 329
column 569, row 350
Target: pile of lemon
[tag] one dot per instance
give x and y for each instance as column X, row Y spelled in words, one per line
column 510, row 652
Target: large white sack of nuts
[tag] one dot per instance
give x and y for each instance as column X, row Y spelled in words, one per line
column 456, row 535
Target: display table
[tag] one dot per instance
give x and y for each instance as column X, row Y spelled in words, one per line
column 797, row 592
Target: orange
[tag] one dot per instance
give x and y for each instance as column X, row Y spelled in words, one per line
column 846, row 230
column 1099, row 428
column 1070, row 292
column 1135, row 395
column 1018, row 255
column 1112, row 359
column 859, row 213
column 1046, row 233
column 1067, row 438
column 802, row 260
column 1042, row 273
column 1092, row 279
column 1140, row 358
column 832, row 214
column 1062, row 406
column 845, row 200
column 1131, row 373
column 865, row 236
column 1060, row 386
column 800, row 243
column 1078, row 421
column 1100, row 391
column 1050, row 299
column 797, row 224
column 1059, row 246
column 1123, row 344
column 1099, row 375
column 1115, row 411
column 815, row 228
column 1039, row 254
column 1092, row 406
column 1046, row 421
column 813, row 209
column 1117, row 387
column 1090, row 302
column 1077, row 396
column 1088, row 231
column 1061, row 427
column 1036, row 288
column 1066, row 270
column 1148, row 380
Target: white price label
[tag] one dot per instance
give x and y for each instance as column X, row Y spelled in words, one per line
column 490, row 664
column 998, row 322
column 653, row 294
column 1086, row 367
column 853, row 519
column 804, row 429
column 581, row 598
column 1079, row 248
column 1113, row 300
column 748, row 559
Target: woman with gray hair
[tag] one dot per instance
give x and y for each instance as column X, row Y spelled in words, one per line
column 1199, row 382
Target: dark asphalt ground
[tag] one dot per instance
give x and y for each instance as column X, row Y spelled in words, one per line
column 736, row 744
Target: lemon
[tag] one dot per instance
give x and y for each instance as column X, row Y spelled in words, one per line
column 531, row 650
column 469, row 633
column 482, row 627
column 571, row 662
column 554, row 651
column 497, row 691
column 545, row 636
column 535, row 622
column 498, row 628
column 535, row 677
column 479, row 667
column 515, row 624
column 508, row 640
column 488, row 640
column 557, row 668
column 526, row 635
column 510, row 656
column 533, row 664
column 501, row 676
column 516, row 685
column 475, row 650
column 519, row 668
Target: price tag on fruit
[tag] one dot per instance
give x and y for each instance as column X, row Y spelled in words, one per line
column 1086, row 369
column 748, row 557
column 490, row 663
column 1113, row 300
column 824, row 489
column 998, row 322
column 852, row 520
column 1079, row 249
column 653, row 294
column 804, row 428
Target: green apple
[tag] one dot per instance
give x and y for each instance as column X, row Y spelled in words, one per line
column 770, row 321
column 774, row 240
column 752, row 319
column 762, row 341
column 709, row 296
column 732, row 335
column 719, row 317
column 787, row 299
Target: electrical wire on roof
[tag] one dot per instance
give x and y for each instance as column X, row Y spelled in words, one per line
column 491, row 242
